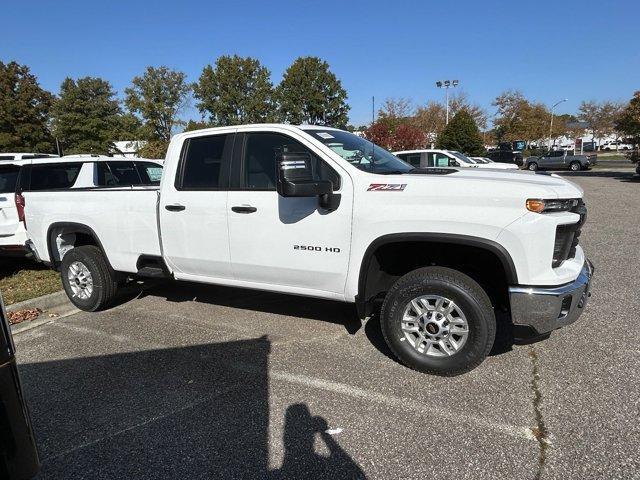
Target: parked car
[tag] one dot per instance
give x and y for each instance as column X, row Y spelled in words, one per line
column 321, row 212
column 513, row 157
column 561, row 160
column 615, row 145
column 488, row 161
column 426, row 158
column 48, row 173
column 18, row 452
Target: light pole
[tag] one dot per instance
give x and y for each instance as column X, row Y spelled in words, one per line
column 446, row 84
column 551, row 123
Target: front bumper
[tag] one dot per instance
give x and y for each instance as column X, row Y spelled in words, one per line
column 544, row 309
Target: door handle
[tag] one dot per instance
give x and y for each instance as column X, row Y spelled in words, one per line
column 244, row 209
column 175, row 208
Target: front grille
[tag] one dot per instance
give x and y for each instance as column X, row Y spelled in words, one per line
column 568, row 236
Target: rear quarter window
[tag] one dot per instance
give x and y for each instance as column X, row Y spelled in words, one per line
column 8, row 178
column 53, row 176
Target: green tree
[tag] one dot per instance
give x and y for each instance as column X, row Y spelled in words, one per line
column 86, row 116
column 311, row 93
column 519, row 119
column 196, row 125
column 462, row 134
column 24, row 111
column 628, row 122
column 236, row 91
column 158, row 97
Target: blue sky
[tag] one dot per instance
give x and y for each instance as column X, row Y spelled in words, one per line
column 549, row 50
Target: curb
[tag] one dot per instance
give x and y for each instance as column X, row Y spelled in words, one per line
column 56, row 303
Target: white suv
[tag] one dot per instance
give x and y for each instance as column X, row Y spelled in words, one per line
column 61, row 173
column 447, row 158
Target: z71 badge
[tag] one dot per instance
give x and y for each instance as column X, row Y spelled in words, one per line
column 387, row 187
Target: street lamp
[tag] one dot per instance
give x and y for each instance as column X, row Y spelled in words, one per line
column 446, row 84
column 551, row 123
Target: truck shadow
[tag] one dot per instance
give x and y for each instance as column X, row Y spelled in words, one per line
column 200, row 411
column 278, row 303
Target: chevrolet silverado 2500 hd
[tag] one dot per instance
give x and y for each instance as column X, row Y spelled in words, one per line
column 320, row 212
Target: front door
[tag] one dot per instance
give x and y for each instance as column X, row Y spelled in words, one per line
column 193, row 210
column 291, row 242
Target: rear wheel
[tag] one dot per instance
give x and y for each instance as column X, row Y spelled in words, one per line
column 533, row 166
column 87, row 278
column 575, row 166
column 438, row 320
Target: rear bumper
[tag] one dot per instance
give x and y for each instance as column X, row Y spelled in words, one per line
column 544, row 309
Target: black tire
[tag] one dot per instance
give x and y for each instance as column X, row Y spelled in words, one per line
column 533, row 166
column 461, row 289
column 575, row 166
column 104, row 280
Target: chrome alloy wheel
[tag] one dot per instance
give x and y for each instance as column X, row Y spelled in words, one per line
column 435, row 326
column 80, row 280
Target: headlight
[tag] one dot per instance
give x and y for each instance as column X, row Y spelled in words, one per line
column 538, row 205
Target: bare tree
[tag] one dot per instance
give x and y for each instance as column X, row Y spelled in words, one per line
column 600, row 117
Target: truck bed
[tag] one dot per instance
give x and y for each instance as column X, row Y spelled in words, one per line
column 124, row 219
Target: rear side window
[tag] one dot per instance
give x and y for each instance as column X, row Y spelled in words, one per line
column 126, row 174
column 6, row 157
column 8, row 178
column 202, row 163
column 54, row 176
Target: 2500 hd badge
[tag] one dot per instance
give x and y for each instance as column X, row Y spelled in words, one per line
column 311, row 248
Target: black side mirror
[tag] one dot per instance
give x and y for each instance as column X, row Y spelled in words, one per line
column 295, row 177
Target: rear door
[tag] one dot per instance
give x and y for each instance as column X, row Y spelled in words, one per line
column 8, row 212
column 193, row 209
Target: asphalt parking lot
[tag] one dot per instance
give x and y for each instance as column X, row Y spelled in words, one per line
column 189, row 381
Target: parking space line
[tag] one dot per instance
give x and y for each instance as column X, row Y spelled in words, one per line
column 389, row 400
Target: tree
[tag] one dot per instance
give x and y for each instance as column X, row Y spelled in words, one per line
column 236, row 91
column 600, row 117
column 460, row 101
column 311, row 93
column 393, row 135
column 196, row 125
column 24, row 111
column 398, row 108
column 628, row 121
column 462, row 134
column 519, row 119
column 431, row 119
column 86, row 117
column 158, row 97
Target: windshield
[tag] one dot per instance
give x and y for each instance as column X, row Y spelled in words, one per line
column 8, row 178
column 462, row 157
column 360, row 152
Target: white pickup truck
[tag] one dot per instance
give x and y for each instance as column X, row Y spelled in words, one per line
column 320, row 212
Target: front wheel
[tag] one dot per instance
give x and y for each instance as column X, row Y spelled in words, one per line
column 87, row 278
column 575, row 166
column 533, row 166
column 438, row 320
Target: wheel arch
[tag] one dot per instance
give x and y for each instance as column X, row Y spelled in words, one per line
column 365, row 295
column 82, row 235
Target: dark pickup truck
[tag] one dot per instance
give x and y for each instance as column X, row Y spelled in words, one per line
column 561, row 160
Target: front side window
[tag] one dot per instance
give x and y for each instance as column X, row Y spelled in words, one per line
column 54, row 176
column 202, row 163
column 259, row 161
column 360, row 152
column 8, row 178
column 117, row 174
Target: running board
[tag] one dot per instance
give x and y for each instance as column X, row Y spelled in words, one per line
column 152, row 272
